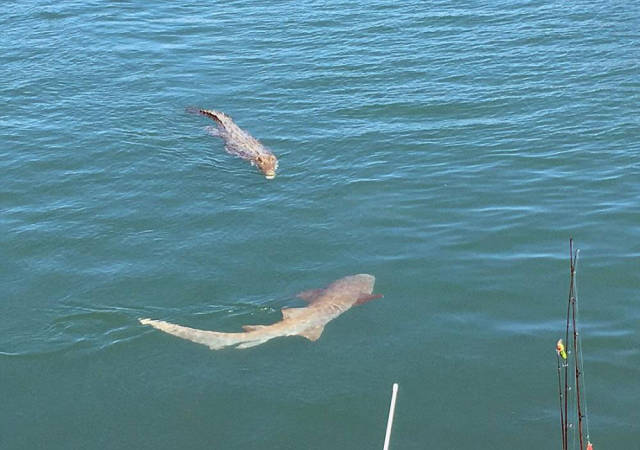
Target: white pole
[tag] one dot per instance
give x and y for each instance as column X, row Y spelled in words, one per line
column 392, row 409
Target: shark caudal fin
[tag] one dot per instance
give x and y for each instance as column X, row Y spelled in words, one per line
column 212, row 339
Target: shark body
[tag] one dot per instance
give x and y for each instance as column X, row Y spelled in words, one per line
column 324, row 306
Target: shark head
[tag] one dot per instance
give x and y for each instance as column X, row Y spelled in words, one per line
column 353, row 289
column 349, row 291
column 362, row 282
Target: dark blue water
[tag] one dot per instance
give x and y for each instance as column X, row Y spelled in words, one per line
column 450, row 149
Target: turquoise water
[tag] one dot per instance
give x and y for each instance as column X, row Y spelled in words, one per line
column 450, row 149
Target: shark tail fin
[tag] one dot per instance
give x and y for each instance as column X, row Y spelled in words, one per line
column 212, row 339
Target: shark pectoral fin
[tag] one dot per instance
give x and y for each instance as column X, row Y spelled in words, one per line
column 312, row 333
column 364, row 298
column 252, row 327
column 292, row 313
column 310, row 295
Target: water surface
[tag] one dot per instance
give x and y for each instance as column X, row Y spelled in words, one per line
column 450, row 149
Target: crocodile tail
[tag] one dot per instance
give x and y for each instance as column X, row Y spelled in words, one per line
column 204, row 112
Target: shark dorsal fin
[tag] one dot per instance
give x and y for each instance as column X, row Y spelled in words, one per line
column 292, row 313
column 252, row 327
column 311, row 295
column 312, row 333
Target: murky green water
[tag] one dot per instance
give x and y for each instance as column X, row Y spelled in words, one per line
column 449, row 149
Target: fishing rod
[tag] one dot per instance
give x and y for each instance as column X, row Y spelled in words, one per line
column 563, row 363
column 561, row 356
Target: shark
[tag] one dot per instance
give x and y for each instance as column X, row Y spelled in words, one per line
column 324, row 305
